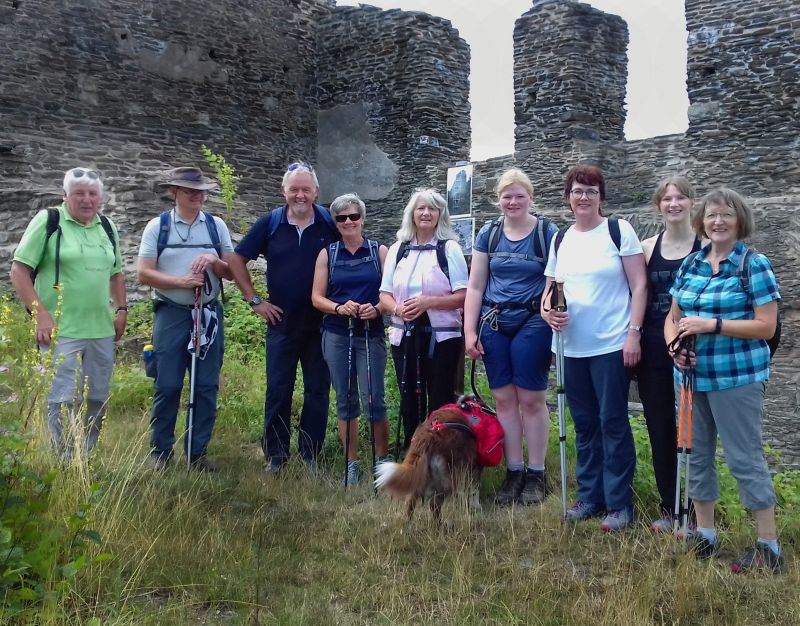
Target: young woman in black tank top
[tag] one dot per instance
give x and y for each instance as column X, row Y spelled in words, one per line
column 674, row 199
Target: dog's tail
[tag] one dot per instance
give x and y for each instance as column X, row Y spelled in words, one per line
column 404, row 479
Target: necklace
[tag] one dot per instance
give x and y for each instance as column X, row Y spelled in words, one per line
column 177, row 232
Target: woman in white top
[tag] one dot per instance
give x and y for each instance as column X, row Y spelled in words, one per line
column 424, row 284
column 601, row 265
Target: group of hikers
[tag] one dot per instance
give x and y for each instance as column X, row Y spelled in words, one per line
column 691, row 303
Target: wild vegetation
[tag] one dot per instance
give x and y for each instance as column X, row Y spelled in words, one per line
column 112, row 542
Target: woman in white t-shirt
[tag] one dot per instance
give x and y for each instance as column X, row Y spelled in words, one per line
column 601, row 265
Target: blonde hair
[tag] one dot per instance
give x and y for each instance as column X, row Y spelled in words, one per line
column 679, row 182
column 514, row 176
column 431, row 197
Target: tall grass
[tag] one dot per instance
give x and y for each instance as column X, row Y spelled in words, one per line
column 241, row 548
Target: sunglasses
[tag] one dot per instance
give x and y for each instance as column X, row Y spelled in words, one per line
column 353, row 217
column 299, row 165
column 79, row 172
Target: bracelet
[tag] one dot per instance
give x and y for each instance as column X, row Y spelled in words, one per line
column 122, row 308
column 637, row 329
column 718, row 328
column 336, row 309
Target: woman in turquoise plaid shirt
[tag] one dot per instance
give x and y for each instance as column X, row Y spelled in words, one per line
column 730, row 319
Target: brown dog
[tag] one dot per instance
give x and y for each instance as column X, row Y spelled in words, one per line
column 440, row 460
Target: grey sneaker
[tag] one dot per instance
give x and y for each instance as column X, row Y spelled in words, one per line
column 158, row 462
column 663, row 524
column 353, row 474
column 616, row 521
column 583, row 510
column 760, row 557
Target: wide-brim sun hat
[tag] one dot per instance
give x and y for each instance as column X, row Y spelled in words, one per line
column 189, row 177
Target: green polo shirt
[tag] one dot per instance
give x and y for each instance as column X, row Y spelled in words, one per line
column 87, row 263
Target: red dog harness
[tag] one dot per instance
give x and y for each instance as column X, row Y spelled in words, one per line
column 484, row 426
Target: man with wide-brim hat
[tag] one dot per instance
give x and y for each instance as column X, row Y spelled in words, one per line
column 183, row 256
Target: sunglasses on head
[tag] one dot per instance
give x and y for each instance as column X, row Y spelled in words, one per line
column 299, row 165
column 353, row 217
column 79, row 172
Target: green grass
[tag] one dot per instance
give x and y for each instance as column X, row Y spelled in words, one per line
column 240, row 548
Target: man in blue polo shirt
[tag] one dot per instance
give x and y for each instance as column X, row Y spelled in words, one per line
column 290, row 238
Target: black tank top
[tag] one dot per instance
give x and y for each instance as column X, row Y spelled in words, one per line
column 661, row 274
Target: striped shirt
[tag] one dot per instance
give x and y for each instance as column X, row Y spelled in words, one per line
column 724, row 362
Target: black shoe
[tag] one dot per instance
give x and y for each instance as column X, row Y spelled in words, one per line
column 203, row 464
column 759, row 557
column 701, row 547
column 159, row 462
column 534, row 490
column 511, row 488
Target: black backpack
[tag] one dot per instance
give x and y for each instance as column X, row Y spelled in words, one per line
column 540, row 247
column 333, row 256
column 441, row 256
column 54, row 226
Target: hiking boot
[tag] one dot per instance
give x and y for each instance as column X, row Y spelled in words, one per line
column 534, row 490
column 158, row 462
column 583, row 510
column 203, row 464
column 663, row 524
column 616, row 521
column 759, row 557
column 353, row 474
column 273, row 469
column 511, row 488
column 311, row 466
column 701, row 547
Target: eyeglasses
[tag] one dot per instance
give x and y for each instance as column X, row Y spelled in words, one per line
column 79, row 172
column 353, row 217
column 590, row 194
column 725, row 217
column 299, row 165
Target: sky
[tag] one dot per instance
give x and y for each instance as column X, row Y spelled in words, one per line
column 656, row 100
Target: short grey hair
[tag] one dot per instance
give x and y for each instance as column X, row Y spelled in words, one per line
column 348, row 200
column 82, row 176
column 431, row 197
column 299, row 166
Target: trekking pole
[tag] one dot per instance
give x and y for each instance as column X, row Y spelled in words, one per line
column 561, row 307
column 369, row 398
column 418, row 390
column 196, row 330
column 403, row 386
column 349, row 389
column 684, row 444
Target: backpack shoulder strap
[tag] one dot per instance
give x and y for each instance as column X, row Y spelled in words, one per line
column 560, row 237
column 402, row 251
column 213, row 233
column 613, row 230
column 495, row 230
column 743, row 271
column 275, row 219
column 333, row 254
column 542, row 226
column 441, row 257
column 106, row 224
column 374, row 253
column 164, row 224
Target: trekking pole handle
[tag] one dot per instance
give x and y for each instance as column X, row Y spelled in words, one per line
column 561, row 303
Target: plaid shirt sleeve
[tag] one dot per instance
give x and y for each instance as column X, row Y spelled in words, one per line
column 763, row 284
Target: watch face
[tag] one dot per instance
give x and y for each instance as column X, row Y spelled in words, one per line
column 255, row 301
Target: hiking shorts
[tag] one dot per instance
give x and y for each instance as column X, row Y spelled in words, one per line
column 522, row 359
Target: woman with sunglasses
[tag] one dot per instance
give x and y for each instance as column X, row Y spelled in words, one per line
column 599, row 260
column 423, row 287
column 725, row 300
column 346, row 281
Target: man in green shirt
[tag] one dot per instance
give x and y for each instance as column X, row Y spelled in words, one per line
column 67, row 269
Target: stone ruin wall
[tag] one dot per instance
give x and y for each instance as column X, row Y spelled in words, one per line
column 378, row 101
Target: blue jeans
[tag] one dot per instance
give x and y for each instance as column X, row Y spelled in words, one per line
column 172, row 327
column 284, row 350
column 597, row 394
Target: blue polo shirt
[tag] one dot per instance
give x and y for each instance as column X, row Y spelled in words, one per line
column 291, row 256
column 354, row 277
column 725, row 362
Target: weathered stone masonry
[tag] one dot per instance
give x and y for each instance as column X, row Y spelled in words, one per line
column 377, row 100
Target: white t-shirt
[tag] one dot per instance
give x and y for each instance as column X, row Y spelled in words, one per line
column 595, row 288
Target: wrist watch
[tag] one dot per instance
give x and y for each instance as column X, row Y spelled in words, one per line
column 636, row 328
column 254, row 301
